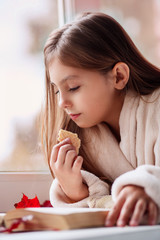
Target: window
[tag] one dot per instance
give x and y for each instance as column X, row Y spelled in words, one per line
column 25, row 25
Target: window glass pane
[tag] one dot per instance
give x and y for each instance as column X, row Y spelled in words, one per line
column 25, row 25
column 141, row 19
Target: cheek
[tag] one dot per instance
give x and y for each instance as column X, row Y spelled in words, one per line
column 96, row 99
column 94, row 107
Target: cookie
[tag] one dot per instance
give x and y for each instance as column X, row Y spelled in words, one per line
column 76, row 142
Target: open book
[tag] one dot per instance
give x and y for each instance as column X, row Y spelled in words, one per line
column 32, row 219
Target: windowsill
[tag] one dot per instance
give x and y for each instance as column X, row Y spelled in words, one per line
column 5, row 175
column 14, row 184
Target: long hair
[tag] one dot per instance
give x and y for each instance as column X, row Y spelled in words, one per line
column 93, row 41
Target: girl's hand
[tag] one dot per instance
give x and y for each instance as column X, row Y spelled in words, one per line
column 130, row 207
column 66, row 166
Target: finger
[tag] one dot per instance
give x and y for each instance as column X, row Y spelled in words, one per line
column 77, row 164
column 66, row 140
column 114, row 213
column 126, row 212
column 55, row 150
column 62, row 153
column 70, row 158
column 138, row 213
column 152, row 213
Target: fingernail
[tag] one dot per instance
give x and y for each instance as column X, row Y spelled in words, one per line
column 121, row 223
column 108, row 223
column 133, row 223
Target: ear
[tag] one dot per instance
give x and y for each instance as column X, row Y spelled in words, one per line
column 121, row 75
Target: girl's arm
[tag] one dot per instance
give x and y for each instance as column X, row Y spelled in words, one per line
column 131, row 205
column 66, row 166
column 98, row 193
column 136, row 193
column 73, row 187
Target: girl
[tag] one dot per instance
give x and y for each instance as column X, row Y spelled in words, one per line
column 100, row 86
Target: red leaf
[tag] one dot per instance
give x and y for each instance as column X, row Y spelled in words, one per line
column 33, row 202
column 25, row 202
column 46, row 204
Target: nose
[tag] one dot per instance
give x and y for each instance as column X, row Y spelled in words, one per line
column 64, row 101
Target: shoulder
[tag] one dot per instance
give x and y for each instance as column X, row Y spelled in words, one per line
column 149, row 109
column 150, row 104
column 133, row 99
column 154, row 97
column 142, row 107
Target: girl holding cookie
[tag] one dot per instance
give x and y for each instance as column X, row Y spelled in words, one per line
column 99, row 86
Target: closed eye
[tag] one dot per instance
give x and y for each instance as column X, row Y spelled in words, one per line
column 74, row 89
column 71, row 89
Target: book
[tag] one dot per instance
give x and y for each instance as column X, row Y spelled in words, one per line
column 1, row 218
column 35, row 219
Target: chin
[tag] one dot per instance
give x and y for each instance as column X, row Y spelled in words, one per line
column 83, row 125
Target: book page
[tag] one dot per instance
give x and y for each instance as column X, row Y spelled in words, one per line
column 50, row 210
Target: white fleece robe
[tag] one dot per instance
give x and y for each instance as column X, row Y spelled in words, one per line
column 135, row 160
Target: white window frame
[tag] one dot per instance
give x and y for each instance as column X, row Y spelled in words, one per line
column 66, row 10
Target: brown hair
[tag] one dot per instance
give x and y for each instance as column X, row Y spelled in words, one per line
column 93, row 41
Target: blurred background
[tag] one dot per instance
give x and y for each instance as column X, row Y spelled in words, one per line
column 24, row 27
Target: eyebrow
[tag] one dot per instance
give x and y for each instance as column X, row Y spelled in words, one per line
column 69, row 77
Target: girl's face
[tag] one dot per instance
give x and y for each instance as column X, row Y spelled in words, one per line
column 87, row 96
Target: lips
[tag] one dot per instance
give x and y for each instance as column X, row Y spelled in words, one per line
column 74, row 116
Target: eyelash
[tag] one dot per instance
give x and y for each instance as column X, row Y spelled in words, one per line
column 71, row 89
column 74, row 89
